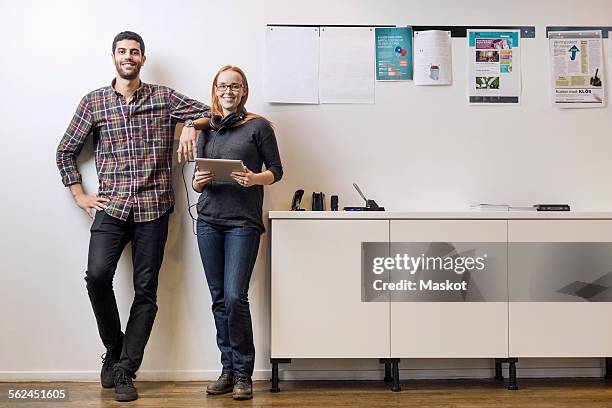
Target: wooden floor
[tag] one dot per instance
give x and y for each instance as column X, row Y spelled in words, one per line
column 533, row 393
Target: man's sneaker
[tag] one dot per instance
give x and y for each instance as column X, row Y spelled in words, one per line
column 124, row 387
column 223, row 385
column 107, row 375
column 243, row 388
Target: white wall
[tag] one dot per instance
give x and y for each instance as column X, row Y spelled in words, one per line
column 416, row 149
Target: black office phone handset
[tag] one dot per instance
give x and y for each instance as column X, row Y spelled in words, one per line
column 297, row 200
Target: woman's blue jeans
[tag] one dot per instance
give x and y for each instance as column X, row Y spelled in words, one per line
column 228, row 255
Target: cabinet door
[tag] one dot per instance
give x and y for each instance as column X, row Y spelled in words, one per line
column 317, row 310
column 436, row 328
column 559, row 286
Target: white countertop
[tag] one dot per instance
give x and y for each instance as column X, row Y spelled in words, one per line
column 399, row 215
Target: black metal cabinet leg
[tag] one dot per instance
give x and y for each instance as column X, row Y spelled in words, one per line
column 387, row 362
column 608, row 368
column 274, row 380
column 512, row 382
column 499, row 376
column 388, row 376
column 396, row 380
column 274, row 387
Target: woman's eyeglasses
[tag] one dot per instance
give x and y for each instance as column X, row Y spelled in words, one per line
column 232, row 87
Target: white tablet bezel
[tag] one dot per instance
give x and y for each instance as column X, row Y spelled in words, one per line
column 221, row 168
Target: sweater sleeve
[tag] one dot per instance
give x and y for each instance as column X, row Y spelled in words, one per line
column 268, row 148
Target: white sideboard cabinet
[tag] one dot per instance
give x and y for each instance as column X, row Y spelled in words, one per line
column 555, row 299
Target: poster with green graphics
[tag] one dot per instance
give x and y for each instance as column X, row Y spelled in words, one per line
column 393, row 53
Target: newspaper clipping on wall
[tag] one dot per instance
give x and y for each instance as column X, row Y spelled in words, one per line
column 576, row 62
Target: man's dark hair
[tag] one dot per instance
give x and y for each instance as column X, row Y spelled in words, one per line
column 129, row 35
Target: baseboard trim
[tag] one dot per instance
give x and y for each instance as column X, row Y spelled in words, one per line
column 288, row 374
column 143, row 375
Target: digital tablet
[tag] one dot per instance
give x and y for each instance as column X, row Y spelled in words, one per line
column 221, row 168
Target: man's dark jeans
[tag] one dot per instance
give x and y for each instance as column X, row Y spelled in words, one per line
column 109, row 236
column 228, row 255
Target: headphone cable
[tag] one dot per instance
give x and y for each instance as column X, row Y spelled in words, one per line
column 189, row 205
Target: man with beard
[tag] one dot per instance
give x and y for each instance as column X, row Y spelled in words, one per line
column 132, row 124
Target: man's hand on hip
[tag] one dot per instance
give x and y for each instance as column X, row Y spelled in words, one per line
column 88, row 201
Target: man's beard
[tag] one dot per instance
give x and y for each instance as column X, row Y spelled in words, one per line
column 125, row 75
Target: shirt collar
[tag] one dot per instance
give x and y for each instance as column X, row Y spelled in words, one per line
column 140, row 91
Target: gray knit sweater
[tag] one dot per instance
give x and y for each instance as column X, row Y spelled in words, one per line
column 227, row 203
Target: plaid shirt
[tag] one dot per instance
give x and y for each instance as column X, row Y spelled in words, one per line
column 133, row 145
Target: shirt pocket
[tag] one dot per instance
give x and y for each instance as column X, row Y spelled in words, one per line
column 152, row 129
column 112, row 138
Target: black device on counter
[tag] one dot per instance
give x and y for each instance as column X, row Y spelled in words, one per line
column 334, row 203
column 318, row 202
column 552, row 207
column 297, row 200
column 370, row 204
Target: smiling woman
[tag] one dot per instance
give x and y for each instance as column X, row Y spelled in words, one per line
column 230, row 222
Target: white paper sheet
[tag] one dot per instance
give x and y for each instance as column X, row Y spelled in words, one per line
column 291, row 65
column 347, row 65
column 494, row 67
column 577, row 70
column 432, row 58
